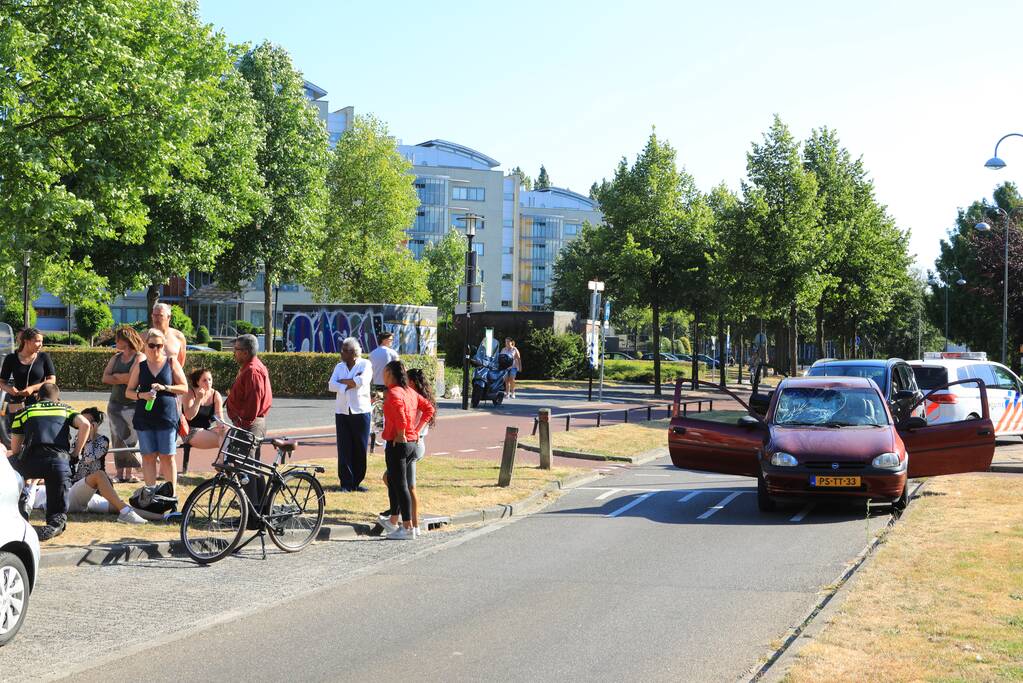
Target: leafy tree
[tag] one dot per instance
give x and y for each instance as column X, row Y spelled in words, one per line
column 543, row 181
column 446, row 262
column 581, row 260
column 91, row 317
column 14, row 314
column 372, row 203
column 524, row 180
column 283, row 238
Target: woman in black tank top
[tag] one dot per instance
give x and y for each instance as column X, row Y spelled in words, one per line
column 199, row 406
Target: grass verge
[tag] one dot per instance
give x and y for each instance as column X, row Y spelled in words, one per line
column 942, row 599
column 445, row 486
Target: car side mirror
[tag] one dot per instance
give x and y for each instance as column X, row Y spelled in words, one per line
column 913, row 423
column 904, row 395
column 750, row 422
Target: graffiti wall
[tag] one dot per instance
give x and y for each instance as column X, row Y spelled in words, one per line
column 322, row 328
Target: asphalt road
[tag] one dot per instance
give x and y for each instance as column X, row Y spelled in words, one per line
column 649, row 574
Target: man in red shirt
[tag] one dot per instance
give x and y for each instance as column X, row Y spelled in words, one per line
column 250, row 397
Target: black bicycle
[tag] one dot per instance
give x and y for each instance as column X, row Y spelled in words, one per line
column 219, row 511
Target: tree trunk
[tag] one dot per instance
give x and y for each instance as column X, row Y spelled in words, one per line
column 152, row 297
column 673, row 350
column 721, row 351
column 781, row 346
column 694, row 348
column 268, row 318
column 738, row 355
column 819, row 340
column 657, row 346
column 793, row 340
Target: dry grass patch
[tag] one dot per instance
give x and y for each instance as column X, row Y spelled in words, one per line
column 942, row 599
column 445, row 486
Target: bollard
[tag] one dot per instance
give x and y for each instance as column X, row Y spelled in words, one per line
column 545, row 438
column 511, row 442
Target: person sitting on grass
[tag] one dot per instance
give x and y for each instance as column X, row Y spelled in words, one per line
column 199, row 406
column 90, row 477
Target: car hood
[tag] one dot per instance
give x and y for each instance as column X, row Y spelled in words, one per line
column 839, row 444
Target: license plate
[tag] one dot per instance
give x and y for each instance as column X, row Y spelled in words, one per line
column 835, row 482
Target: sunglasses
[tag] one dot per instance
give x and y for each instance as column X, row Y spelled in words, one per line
column 156, row 346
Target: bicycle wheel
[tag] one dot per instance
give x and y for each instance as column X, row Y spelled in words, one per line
column 296, row 511
column 213, row 520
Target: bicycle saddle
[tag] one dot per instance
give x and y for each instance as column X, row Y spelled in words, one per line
column 283, row 445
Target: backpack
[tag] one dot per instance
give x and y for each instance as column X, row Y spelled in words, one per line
column 153, row 502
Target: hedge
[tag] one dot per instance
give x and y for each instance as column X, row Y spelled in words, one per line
column 291, row 374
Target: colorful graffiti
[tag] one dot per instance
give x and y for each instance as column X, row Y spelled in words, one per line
column 322, row 328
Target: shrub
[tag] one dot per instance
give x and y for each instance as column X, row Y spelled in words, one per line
column 61, row 339
column 243, row 326
column 14, row 316
column 547, row 355
column 216, row 344
column 181, row 322
column 642, row 371
column 452, row 378
column 291, row 374
column 91, row 318
column 203, row 335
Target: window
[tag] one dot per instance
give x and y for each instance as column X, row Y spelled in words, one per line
column 51, row 312
column 1004, row 379
column 507, row 250
column 505, row 303
column 458, row 222
column 930, row 377
column 472, row 194
column 432, row 190
column 478, row 248
column 572, row 228
column 506, row 276
column 256, row 318
column 977, row 371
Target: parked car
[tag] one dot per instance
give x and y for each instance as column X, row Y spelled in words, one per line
column 893, row 376
column 19, row 554
column 618, row 355
column 962, row 401
column 198, row 347
column 669, row 357
column 704, row 358
column 827, row 437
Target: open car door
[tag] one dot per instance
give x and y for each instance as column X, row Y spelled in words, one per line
column 715, row 445
column 950, row 447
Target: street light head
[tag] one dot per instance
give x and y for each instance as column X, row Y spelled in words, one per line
column 470, row 223
column 960, row 282
column 994, row 163
column 982, row 226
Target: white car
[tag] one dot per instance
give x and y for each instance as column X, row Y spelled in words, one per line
column 19, row 553
column 962, row 401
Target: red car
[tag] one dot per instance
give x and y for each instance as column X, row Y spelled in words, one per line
column 830, row 437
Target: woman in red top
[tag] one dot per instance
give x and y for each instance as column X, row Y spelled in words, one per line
column 402, row 406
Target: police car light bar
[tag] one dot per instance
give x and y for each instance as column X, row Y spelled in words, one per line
column 955, row 355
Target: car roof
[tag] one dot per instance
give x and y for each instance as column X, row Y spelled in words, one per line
column 827, row 382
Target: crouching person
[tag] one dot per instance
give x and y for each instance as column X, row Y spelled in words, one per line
column 41, row 449
column 90, row 478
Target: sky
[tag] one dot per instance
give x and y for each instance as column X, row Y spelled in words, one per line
column 920, row 90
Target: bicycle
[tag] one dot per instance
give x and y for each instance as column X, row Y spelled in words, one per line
column 216, row 514
column 376, row 420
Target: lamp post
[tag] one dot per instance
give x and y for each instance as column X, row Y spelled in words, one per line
column 947, row 284
column 593, row 347
column 985, row 227
column 26, row 261
column 470, row 283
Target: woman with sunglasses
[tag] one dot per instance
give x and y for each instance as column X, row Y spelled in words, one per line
column 154, row 384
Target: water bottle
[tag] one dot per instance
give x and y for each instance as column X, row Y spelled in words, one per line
column 150, row 403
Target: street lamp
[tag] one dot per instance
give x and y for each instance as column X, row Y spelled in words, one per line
column 470, row 284
column 985, row 227
column 592, row 341
column 995, row 163
column 946, row 283
column 25, row 262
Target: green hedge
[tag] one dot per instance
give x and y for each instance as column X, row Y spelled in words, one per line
column 291, row 374
column 642, row 371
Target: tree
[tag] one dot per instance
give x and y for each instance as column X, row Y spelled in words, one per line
column 283, row 238
column 372, row 202
column 524, row 180
column 543, row 182
column 91, row 318
column 446, row 262
column 14, row 315
column 596, row 188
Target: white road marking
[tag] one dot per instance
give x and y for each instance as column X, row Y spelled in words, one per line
column 607, row 494
column 442, row 453
column 725, row 501
column 690, row 495
column 629, row 506
column 490, row 448
column 801, row 515
column 467, row 450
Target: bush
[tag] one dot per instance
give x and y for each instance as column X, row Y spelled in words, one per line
column 243, row 326
column 203, row 335
column 14, row 316
column 92, row 317
column 642, row 371
column 215, row 344
column 61, row 339
column 181, row 322
column 547, row 355
column 291, row 374
column 452, row 378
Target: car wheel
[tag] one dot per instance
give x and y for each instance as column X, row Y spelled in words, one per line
column 900, row 503
column 14, row 594
column 764, row 500
column 973, row 416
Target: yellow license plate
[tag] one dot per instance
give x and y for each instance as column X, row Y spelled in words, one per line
column 835, row 482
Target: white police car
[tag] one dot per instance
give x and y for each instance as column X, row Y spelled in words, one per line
column 19, row 553
column 962, row 401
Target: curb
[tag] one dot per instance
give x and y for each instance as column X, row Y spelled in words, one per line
column 1008, row 466
column 781, row 658
column 121, row 553
column 640, row 459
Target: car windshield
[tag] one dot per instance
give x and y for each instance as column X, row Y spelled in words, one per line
column 930, row 376
column 839, row 407
column 874, row 372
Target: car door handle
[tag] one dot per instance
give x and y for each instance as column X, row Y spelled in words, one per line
column 678, row 430
column 983, row 432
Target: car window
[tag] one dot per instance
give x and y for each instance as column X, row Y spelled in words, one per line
column 830, row 407
column 931, row 376
column 977, row 371
column 905, row 376
column 874, row 372
column 1003, row 379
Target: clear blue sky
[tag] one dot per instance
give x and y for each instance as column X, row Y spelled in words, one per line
column 922, row 90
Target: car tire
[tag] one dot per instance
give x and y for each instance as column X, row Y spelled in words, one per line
column 900, row 503
column 13, row 574
column 764, row 500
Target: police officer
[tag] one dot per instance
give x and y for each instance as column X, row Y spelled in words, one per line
column 41, row 448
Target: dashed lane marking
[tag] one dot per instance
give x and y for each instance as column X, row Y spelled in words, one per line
column 607, row 494
column 490, row 448
column 442, row 453
column 801, row 515
column 467, row 450
column 629, row 506
column 724, row 501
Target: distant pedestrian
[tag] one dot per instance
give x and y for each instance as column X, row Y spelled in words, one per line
column 407, row 412
column 516, row 366
column 120, row 408
column 155, row 383
column 353, row 407
column 380, row 357
column 174, row 340
column 26, row 370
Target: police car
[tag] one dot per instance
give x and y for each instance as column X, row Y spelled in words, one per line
column 962, row 401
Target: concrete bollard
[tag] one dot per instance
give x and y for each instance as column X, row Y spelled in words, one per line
column 544, row 420
column 511, row 442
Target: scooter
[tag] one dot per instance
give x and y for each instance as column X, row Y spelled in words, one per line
column 488, row 376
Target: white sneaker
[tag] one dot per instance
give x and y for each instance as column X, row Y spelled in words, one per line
column 415, row 532
column 400, row 534
column 387, row 524
column 129, row 516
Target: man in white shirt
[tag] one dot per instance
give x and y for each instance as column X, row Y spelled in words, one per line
column 352, row 410
column 380, row 357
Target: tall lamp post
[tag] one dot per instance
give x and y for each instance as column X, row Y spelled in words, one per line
column 470, row 284
column 946, row 283
column 985, row 227
column 26, row 261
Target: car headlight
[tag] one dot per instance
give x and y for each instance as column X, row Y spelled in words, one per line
column 781, row 459
column 887, row 461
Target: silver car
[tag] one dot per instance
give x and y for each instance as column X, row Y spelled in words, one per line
column 19, row 553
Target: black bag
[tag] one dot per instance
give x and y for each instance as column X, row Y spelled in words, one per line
column 155, row 500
